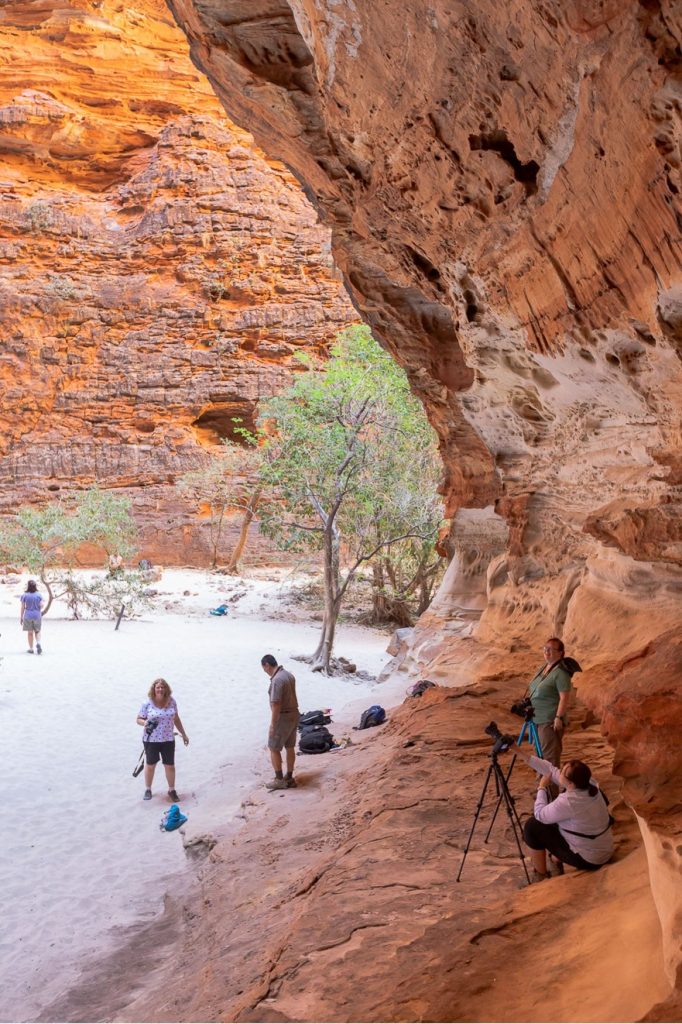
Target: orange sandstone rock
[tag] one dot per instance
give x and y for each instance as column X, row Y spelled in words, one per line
column 157, row 273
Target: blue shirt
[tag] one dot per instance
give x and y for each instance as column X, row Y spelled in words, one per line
column 31, row 603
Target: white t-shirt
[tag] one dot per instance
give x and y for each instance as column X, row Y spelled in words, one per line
column 164, row 716
column 575, row 810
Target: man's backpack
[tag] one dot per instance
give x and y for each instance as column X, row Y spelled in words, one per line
column 312, row 718
column 315, row 739
column 372, row 716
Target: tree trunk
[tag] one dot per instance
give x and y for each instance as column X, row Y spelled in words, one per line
column 215, row 533
column 233, row 565
column 321, row 659
column 50, row 595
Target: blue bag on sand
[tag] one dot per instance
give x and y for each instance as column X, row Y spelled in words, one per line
column 371, row 717
column 172, row 819
column 220, row 610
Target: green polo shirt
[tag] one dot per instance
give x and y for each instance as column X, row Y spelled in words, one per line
column 544, row 693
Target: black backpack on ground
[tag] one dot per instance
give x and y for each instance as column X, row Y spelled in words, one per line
column 315, row 739
column 312, row 718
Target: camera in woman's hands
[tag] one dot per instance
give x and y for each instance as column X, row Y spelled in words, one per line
column 150, row 726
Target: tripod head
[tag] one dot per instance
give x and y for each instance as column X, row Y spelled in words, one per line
column 501, row 743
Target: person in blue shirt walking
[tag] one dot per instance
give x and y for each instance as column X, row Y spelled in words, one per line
column 30, row 616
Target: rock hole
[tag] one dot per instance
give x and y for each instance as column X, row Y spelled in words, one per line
column 585, row 353
column 497, row 141
column 424, row 265
column 472, row 306
column 224, row 421
column 612, row 358
column 53, row 487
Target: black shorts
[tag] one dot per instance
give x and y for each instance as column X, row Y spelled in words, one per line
column 166, row 751
column 548, row 837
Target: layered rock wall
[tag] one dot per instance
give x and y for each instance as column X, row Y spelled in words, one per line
column 157, row 274
column 503, row 191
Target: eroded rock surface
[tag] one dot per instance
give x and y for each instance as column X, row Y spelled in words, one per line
column 503, row 191
column 157, row 273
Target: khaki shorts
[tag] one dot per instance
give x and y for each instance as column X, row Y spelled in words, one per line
column 285, row 732
column 31, row 625
column 551, row 744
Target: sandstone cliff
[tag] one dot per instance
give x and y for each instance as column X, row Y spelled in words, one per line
column 157, row 272
column 503, row 190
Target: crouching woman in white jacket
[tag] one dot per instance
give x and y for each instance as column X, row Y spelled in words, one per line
column 575, row 828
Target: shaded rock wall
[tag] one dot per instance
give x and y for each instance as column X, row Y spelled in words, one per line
column 157, row 273
column 503, row 192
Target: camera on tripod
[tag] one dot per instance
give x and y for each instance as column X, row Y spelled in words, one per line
column 523, row 709
column 150, row 726
column 502, row 743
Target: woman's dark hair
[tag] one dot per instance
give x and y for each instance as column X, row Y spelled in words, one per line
column 579, row 774
column 559, row 643
column 268, row 659
column 31, row 587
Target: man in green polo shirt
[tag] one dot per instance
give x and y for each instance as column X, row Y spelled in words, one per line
column 548, row 692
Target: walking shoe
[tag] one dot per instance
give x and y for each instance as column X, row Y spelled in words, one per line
column 539, row 876
column 39, row 649
column 555, row 866
column 173, row 795
column 276, row 784
column 291, row 783
column 30, row 650
column 147, row 794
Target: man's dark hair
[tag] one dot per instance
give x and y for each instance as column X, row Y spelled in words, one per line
column 268, row 659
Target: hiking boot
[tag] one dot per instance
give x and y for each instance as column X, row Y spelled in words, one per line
column 276, row 784
column 39, row 649
column 291, row 783
column 173, row 795
column 147, row 794
column 555, row 866
column 539, row 876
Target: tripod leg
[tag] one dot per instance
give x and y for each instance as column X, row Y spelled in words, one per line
column 479, row 805
column 510, row 808
column 535, row 738
column 500, row 797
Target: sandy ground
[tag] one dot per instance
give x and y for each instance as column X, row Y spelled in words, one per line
column 83, row 855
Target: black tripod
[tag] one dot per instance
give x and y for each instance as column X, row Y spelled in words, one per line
column 503, row 796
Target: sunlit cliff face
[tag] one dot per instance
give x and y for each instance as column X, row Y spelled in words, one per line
column 502, row 184
column 157, row 273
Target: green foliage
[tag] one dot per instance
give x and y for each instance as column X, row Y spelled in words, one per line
column 102, row 596
column 225, row 483
column 352, row 463
column 351, row 442
column 46, row 540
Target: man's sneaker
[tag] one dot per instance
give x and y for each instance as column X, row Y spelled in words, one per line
column 173, row 795
column 276, row 784
column 39, row 649
column 291, row 783
column 147, row 794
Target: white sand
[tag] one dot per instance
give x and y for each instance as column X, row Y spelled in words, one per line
column 83, row 855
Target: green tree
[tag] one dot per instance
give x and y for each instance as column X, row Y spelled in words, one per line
column 228, row 482
column 47, row 540
column 353, row 467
